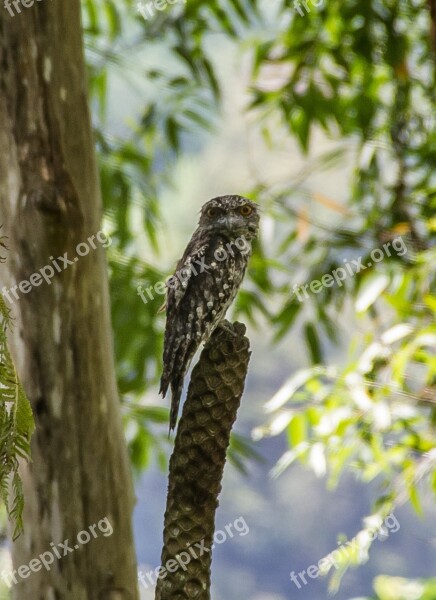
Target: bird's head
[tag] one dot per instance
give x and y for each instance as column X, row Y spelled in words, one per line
column 230, row 216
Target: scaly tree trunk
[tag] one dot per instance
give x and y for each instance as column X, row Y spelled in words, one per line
column 197, row 465
column 50, row 202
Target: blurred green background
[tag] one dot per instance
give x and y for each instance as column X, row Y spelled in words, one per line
column 327, row 120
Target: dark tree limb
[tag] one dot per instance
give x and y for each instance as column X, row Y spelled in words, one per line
column 197, row 464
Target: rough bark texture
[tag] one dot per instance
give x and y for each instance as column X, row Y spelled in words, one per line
column 49, row 203
column 197, row 464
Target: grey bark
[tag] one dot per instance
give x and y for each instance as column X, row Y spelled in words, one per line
column 50, row 202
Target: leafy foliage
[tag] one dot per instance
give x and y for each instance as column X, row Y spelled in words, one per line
column 367, row 75
column 16, row 427
column 398, row 588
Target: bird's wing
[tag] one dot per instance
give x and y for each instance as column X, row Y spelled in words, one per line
column 186, row 268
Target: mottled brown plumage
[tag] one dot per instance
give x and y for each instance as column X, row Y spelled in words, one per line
column 205, row 283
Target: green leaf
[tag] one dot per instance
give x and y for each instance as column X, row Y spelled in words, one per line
column 297, row 430
column 313, row 343
column 373, row 285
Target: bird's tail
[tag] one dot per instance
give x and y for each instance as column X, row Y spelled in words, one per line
column 176, row 393
column 165, row 383
column 173, row 376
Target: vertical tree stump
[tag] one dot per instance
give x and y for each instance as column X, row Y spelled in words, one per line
column 197, row 464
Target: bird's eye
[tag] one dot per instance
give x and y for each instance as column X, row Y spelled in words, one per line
column 246, row 210
column 212, row 212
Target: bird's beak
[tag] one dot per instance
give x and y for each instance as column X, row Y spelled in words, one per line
column 230, row 223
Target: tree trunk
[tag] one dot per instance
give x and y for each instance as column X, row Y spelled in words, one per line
column 49, row 203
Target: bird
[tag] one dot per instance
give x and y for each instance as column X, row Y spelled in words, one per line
column 204, row 285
